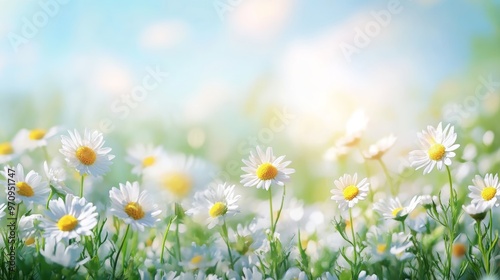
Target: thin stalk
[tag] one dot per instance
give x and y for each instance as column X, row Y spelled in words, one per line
column 353, row 273
column 81, row 185
column 165, row 238
column 50, row 197
column 486, row 259
column 225, row 237
column 280, row 209
column 451, row 226
column 119, row 251
column 271, row 209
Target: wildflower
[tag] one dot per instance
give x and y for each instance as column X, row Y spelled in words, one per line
column 135, row 208
column 8, row 152
column 30, row 188
column 348, row 192
column 199, row 257
column 143, row 157
column 477, row 211
column 393, row 209
column 215, row 204
column 264, row 169
column 35, row 138
column 437, row 145
column 485, row 191
column 66, row 256
column 86, row 154
column 377, row 150
column 69, row 219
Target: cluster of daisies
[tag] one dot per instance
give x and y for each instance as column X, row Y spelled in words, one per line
column 175, row 221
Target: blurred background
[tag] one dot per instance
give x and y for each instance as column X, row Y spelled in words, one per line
column 215, row 78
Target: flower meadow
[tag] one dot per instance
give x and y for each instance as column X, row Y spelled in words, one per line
column 168, row 218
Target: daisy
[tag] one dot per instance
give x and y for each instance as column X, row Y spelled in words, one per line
column 199, row 257
column 355, row 127
column 216, row 204
column 485, row 191
column 7, row 152
column 349, row 192
column 72, row 218
column 56, row 176
column 438, row 145
column 264, row 169
column 135, row 208
column 379, row 242
column 477, row 211
column 30, row 188
column 66, row 256
column 377, row 150
column 86, row 154
column 400, row 243
column 143, row 157
column 393, row 209
column 178, row 175
column 31, row 139
column 29, row 226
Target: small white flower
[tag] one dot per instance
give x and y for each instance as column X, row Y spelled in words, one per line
column 295, row 273
column 427, row 201
column 400, row 243
column 56, row 177
column 215, row 204
column 30, row 188
column 437, row 145
column 364, row 276
column 377, row 150
column 69, row 219
column 477, row 211
column 31, row 139
column 143, row 157
column 264, row 169
column 348, row 192
column 355, row 127
column 135, row 208
column 67, row 256
column 379, row 242
column 86, row 154
column 29, row 226
column 485, row 191
column 252, row 274
column 198, row 257
column 8, row 152
column 393, row 209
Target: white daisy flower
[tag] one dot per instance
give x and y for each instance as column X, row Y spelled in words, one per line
column 30, row 188
column 485, row 190
column 264, row 169
column 56, row 176
column 66, row 256
column 252, row 274
column 477, row 211
column 135, row 208
column 364, row 276
column 400, row 243
column 393, row 209
column 379, row 242
column 437, row 145
column 348, row 192
column 8, row 152
column 29, row 226
column 86, row 154
column 2, row 210
column 377, row 150
column 178, row 176
column 31, row 139
column 215, row 204
column 355, row 127
column 295, row 273
column 199, row 257
column 72, row 218
column 143, row 157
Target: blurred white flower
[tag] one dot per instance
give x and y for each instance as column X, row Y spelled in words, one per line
column 355, row 127
column 264, row 169
column 393, row 209
column 56, row 176
column 485, row 191
column 364, row 276
column 437, row 146
column 400, row 243
column 72, row 218
column 30, row 188
column 377, row 150
column 29, row 226
column 86, row 154
column 134, row 207
column 477, row 211
column 8, row 152
column 199, row 257
column 143, row 157
column 67, row 256
column 349, row 192
column 294, row 273
column 31, row 139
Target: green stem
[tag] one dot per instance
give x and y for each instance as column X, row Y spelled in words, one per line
column 280, row 209
column 177, row 238
column 225, row 237
column 165, row 239
column 81, row 185
column 50, row 197
column 353, row 270
column 394, row 191
column 486, row 261
column 451, row 226
column 271, row 210
column 119, row 251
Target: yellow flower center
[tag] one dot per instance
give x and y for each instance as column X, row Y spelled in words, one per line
column 381, row 248
column 6, row 149
column 67, row 223
column 436, row 151
column 29, row 241
column 24, row 189
column 134, row 210
column 348, row 225
column 459, row 250
column 218, row 209
column 396, row 211
column 488, row 193
column 177, row 183
column 350, row 192
column 266, row 171
column 86, row 155
column 196, row 259
column 37, row 134
column 148, row 161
